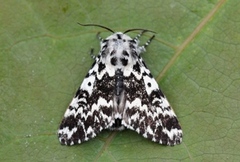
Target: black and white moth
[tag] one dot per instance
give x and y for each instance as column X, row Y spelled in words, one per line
column 120, row 92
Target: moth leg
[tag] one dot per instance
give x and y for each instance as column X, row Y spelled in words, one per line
column 139, row 35
column 93, row 56
column 99, row 37
column 143, row 47
column 149, row 41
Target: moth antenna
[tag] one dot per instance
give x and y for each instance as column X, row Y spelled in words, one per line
column 144, row 30
column 101, row 26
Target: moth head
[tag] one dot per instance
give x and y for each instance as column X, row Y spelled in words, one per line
column 119, row 36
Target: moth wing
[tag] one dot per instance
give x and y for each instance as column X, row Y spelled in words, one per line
column 90, row 110
column 147, row 110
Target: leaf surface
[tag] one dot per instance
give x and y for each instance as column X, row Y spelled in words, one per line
column 194, row 57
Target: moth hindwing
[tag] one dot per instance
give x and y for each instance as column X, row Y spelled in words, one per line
column 120, row 92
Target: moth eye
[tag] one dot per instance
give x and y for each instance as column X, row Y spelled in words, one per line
column 124, row 61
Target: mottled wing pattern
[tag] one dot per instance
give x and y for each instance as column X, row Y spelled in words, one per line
column 147, row 110
column 91, row 109
column 119, row 91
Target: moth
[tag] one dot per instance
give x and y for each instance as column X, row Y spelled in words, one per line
column 119, row 92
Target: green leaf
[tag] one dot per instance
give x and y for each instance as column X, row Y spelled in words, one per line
column 194, row 57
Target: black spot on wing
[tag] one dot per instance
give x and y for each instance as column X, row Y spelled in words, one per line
column 89, row 84
column 132, row 44
column 125, row 53
column 124, row 61
column 105, row 45
column 105, row 41
column 101, row 67
column 112, row 52
column 147, row 74
column 114, row 61
column 136, row 67
column 149, row 84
